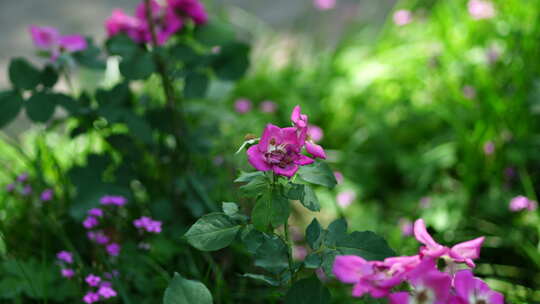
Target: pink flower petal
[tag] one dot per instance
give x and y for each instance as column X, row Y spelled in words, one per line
column 256, row 159
column 315, row 150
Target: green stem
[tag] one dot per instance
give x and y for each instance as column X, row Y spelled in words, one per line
column 286, row 234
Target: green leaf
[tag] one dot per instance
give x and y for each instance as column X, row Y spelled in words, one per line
column 49, row 76
column 272, row 209
column 138, row 66
column 122, row 45
column 230, row 209
column 253, row 240
column 212, row 232
column 255, row 186
column 184, row 291
column 313, row 261
column 40, row 107
column 23, row 74
column 272, row 254
column 319, row 174
column 69, row 104
column 314, row 234
column 336, row 231
column 263, row 278
column 232, row 61
column 214, row 33
column 183, row 53
column 365, row 244
column 138, row 127
column 329, row 255
column 248, row 176
column 10, row 106
column 90, row 57
column 195, row 85
column 306, row 196
column 308, row 291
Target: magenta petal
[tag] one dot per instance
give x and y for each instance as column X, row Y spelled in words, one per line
column 464, row 283
column 287, row 171
column 496, row 298
column 271, row 134
column 304, row 160
column 468, row 250
column 44, row 37
column 440, row 283
column 421, row 234
column 256, row 159
column 347, row 268
column 315, row 150
column 399, row 298
column 295, row 115
column 73, row 43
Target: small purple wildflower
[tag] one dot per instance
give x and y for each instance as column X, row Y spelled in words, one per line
column 92, row 280
column 148, row 224
column 91, row 297
column 406, row 226
column 65, row 256
column 113, row 200
column 489, row 148
column 22, row 178
column 106, row 291
column 27, row 190
column 67, row 273
column 339, row 177
column 98, row 237
column 113, row 249
column 469, row 92
column 315, row 133
column 90, row 222
column 10, row 187
column 47, row 195
column 96, row 212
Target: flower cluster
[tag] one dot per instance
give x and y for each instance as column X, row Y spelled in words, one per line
column 101, row 290
column 65, row 259
column 520, row 202
column 22, row 186
column 48, row 39
column 280, row 149
column 167, row 19
column 429, row 284
column 148, row 224
column 92, row 221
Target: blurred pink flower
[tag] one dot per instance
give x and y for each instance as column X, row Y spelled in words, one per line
column 299, row 252
column 469, row 92
column 95, row 212
column 406, row 226
column 315, row 133
column 48, row 38
column 148, row 224
column 324, row 5
column 425, row 202
column 22, row 178
column 521, row 202
column 345, row 198
column 10, row 187
column 67, row 273
column 268, row 106
column 242, row 105
column 339, row 177
column 26, row 190
column 481, row 9
column 489, row 148
column 191, row 8
column 402, row 17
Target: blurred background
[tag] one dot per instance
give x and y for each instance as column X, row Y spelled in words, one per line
column 427, row 109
